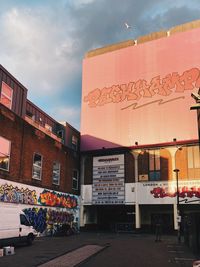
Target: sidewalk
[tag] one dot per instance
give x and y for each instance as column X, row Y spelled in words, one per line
column 180, row 253
column 74, row 257
column 103, row 249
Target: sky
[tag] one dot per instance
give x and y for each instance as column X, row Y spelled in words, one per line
column 43, row 42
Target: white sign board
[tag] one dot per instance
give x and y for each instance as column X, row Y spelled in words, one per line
column 108, row 180
column 166, row 192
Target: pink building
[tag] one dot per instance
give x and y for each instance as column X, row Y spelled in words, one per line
column 137, row 128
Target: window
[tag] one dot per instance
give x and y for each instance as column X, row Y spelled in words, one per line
column 60, row 134
column 75, row 180
column 4, row 153
column 74, row 142
column 37, row 166
column 6, row 95
column 48, row 127
column 154, row 165
column 56, row 173
column 193, row 157
column 24, row 220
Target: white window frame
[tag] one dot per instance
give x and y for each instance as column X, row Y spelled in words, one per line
column 75, row 179
column 54, row 173
column 37, row 166
column 5, row 95
column 7, row 155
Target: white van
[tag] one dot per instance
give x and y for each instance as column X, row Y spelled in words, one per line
column 14, row 226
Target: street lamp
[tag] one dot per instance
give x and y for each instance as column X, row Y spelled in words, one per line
column 178, row 207
column 196, row 97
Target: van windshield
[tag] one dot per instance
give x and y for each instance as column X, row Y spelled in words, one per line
column 24, row 221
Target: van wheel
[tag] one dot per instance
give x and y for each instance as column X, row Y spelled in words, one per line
column 30, row 239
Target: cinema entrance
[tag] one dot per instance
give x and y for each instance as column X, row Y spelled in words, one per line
column 110, row 218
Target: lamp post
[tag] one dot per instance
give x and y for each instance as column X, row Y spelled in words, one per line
column 178, row 207
column 196, row 97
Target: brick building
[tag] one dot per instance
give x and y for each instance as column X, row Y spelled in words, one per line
column 39, row 157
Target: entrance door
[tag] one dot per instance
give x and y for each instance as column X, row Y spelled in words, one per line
column 109, row 216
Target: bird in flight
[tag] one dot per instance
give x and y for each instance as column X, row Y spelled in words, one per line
column 127, row 25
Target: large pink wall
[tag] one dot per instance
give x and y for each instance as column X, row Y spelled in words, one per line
column 141, row 93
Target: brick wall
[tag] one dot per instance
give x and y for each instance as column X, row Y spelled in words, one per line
column 25, row 141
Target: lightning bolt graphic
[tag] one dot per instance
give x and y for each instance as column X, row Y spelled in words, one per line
column 159, row 101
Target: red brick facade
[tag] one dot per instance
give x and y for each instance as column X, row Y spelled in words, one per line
column 27, row 140
column 24, row 125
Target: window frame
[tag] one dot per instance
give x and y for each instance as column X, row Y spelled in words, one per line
column 60, row 134
column 154, row 165
column 5, row 95
column 48, row 127
column 53, row 171
column 8, row 155
column 40, row 167
column 193, row 157
column 74, row 142
column 75, row 179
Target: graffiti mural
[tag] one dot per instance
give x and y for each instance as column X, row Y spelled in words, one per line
column 37, row 218
column 41, row 218
column 54, row 199
column 184, row 192
column 18, row 193
column 135, row 90
column 14, row 194
column 62, row 217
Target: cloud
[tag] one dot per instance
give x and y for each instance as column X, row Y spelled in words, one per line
column 67, row 114
column 43, row 42
column 102, row 22
column 39, row 48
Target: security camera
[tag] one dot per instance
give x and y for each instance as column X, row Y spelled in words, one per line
column 196, row 96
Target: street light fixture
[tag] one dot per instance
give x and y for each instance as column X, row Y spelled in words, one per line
column 196, row 97
column 178, row 207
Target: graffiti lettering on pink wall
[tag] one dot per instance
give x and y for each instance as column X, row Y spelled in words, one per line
column 184, row 192
column 40, row 218
column 172, row 82
column 9, row 193
column 53, row 199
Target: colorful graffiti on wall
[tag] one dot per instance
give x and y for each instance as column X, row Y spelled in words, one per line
column 14, row 194
column 37, row 218
column 41, row 218
column 54, row 199
column 184, row 192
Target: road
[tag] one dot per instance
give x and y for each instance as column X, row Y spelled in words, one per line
column 117, row 250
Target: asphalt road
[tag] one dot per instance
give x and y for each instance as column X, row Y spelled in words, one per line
column 120, row 250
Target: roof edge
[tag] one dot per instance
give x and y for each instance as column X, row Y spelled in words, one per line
column 144, row 38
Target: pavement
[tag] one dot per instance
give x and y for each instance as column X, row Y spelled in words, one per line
column 101, row 249
column 75, row 257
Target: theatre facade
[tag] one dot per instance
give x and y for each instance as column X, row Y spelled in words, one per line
column 139, row 139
